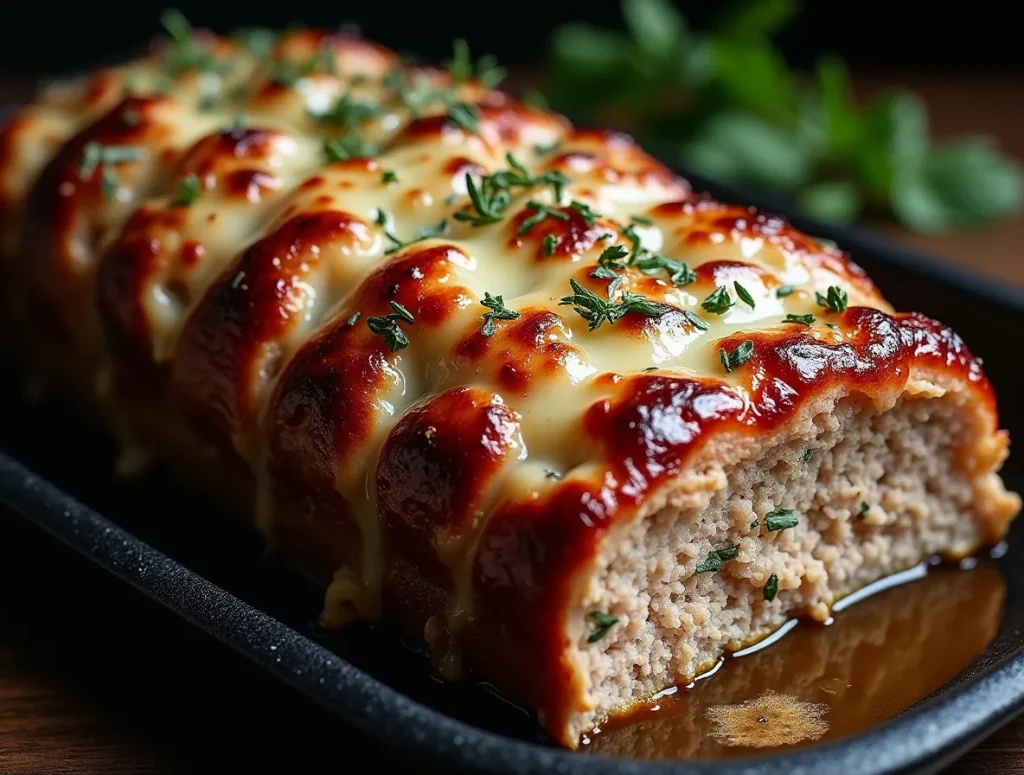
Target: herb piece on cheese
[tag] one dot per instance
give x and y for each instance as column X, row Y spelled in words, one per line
column 679, row 272
column 803, row 320
column 609, row 262
column 498, row 311
column 353, row 145
column 387, row 327
column 835, row 299
column 771, row 588
column 550, row 243
column 542, row 211
column 388, row 176
column 785, row 290
column 695, row 320
column 740, row 355
column 744, row 295
column 585, row 211
column 464, row 116
column 718, row 301
column 596, row 310
column 189, row 191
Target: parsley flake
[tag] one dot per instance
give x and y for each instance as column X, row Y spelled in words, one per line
column 780, row 519
column 609, row 262
column 718, row 302
column 603, row 623
column 716, row 558
column 679, row 272
column 596, row 310
column 550, row 243
column 835, row 300
column 695, row 320
column 498, row 311
column 188, row 191
column 542, row 212
column 771, row 588
column 864, row 508
column 803, row 320
column 807, row 455
column 785, row 290
column 388, row 176
column 740, row 355
column 744, row 295
column 387, row 327
column 464, row 116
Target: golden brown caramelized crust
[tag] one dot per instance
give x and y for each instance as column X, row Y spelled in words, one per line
column 454, row 340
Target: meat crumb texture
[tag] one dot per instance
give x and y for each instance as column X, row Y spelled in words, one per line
column 512, row 385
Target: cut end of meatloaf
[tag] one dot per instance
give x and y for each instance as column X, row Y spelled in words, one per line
column 874, row 492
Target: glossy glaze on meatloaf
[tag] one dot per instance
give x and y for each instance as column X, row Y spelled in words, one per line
column 509, row 383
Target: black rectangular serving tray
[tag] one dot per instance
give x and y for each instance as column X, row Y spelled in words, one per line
column 56, row 472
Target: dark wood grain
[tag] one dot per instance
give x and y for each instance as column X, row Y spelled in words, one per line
column 95, row 679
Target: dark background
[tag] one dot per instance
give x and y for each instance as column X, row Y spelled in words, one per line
column 979, row 35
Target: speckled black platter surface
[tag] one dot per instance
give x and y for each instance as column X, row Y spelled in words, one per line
column 162, row 541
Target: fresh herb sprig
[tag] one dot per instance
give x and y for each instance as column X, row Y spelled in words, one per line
column 427, row 232
column 748, row 117
column 602, row 624
column 498, row 311
column 595, row 310
column 387, row 326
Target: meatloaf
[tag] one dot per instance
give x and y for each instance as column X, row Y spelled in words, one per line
column 509, row 384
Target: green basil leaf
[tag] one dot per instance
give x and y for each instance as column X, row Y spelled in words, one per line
column 657, row 26
column 756, row 19
column 839, row 201
column 740, row 147
column 959, row 184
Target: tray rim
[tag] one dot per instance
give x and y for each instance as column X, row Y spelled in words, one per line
column 922, row 740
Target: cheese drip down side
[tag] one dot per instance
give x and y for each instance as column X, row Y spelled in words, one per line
column 453, row 339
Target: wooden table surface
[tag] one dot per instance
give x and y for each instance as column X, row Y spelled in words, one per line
column 95, row 679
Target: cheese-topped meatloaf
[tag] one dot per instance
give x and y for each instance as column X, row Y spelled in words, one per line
column 510, row 384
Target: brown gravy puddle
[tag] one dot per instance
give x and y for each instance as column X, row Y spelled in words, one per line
column 881, row 654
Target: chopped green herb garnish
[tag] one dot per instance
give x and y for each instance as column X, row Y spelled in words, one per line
column 549, row 474
column 492, row 196
column 585, row 211
column 679, row 272
column 609, row 262
column 718, row 302
column 695, row 320
column 550, row 243
column 716, row 558
column 603, row 623
column 780, row 519
column 352, row 145
column 835, row 300
column 236, row 281
column 643, row 220
column 744, row 295
column 784, row 290
column 864, row 507
column 740, row 355
column 188, row 191
column 543, row 150
column 807, row 455
column 542, row 212
column 288, row 72
column 754, row 524
column 427, row 232
column 349, row 112
column 95, row 155
column 651, row 368
column 771, row 588
column 464, row 115
column 109, row 183
column 596, row 310
column 804, row 320
column 387, row 327
column 498, row 311
column 388, row 176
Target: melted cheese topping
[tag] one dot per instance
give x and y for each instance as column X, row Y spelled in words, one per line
column 260, row 297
